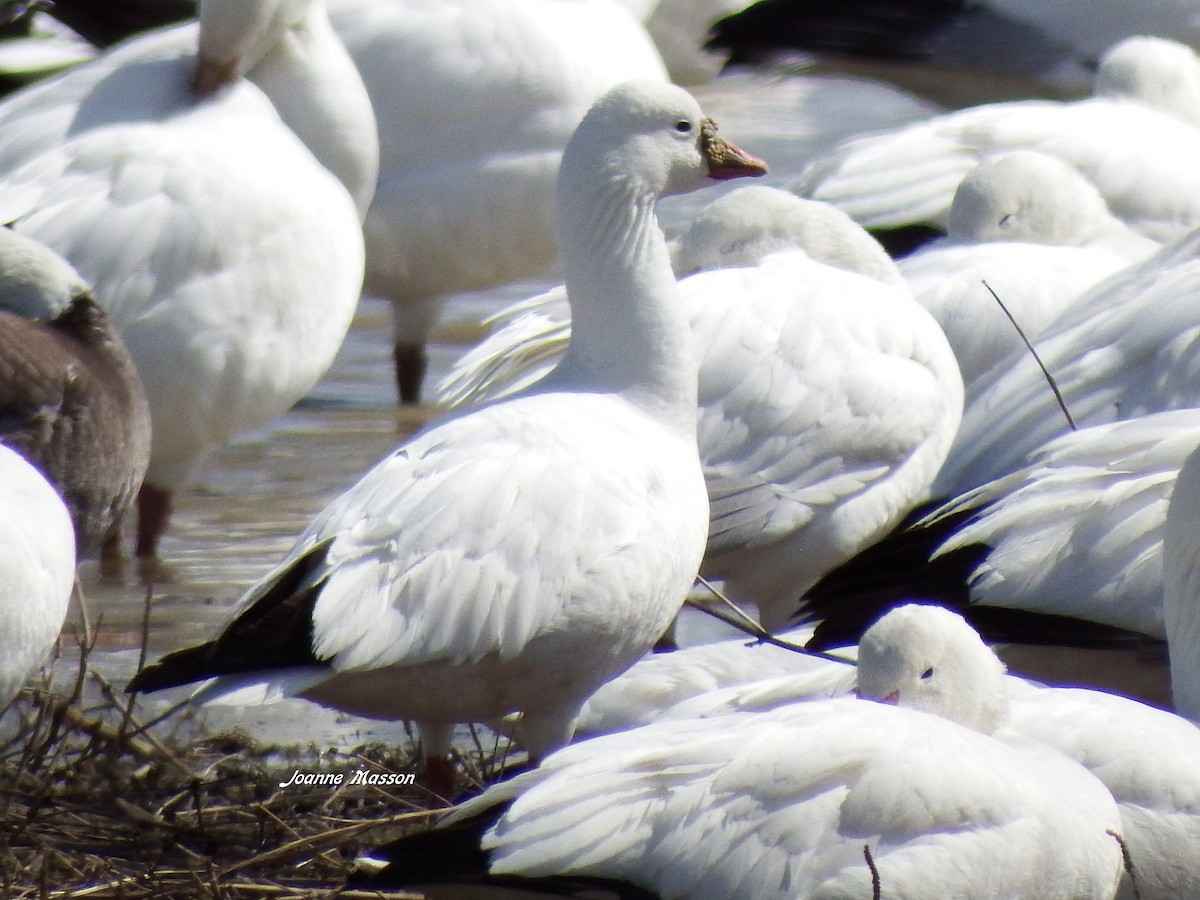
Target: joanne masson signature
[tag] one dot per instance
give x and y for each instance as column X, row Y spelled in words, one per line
column 358, row 776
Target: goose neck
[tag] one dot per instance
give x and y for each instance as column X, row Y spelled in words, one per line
column 314, row 85
column 629, row 331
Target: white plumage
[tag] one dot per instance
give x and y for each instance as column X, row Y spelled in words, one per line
column 782, row 804
column 475, row 100
column 1181, row 586
column 225, row 251
column 513, row 557
column 827, row 395
column 1078, row 530
column 1144, row 756
column 1124, row 348
column 1029, row 228
column 1129, row 141
column 37, row 570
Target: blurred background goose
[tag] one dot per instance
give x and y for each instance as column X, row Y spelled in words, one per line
column 1126, row 139
column 476, row 100
column 221, row 233
column 71, row 403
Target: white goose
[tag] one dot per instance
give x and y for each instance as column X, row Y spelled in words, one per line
column 37, row 570
column 1125, row 139
column 475, row 101
column 691, row 682
column 1034, row 231
column 514, row 557
column 820, row 799
column 1181, row 588
column 1060, row 39
column 1125, row 348
column 1146, row 758
column 71, row 401
column 827, row 395
column 681, row 29
column 1143, row 755
column 1060, row 564
column 220, row 244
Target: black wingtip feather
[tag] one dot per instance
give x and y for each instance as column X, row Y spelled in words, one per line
column 901, row 568
column 453, row 855
column 275, row 632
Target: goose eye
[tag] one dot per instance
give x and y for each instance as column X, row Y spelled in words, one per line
column 928, row 673
column 683, row 126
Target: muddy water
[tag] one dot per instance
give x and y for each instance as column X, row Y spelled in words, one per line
column 258, row 493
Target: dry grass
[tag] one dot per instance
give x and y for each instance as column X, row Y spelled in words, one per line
column 93, row 804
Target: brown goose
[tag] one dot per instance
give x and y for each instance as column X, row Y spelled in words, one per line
column 70, row 399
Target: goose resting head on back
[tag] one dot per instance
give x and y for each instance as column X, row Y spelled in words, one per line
column 71, row 401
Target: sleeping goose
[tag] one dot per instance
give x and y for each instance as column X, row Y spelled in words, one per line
column 512, row 557
column 71, row 403
column 37, row 570
column 221, row 235
column 922, row 795
column 1145, row 756
column 828, row 396
column 1033, row 230
column 1133, row 145
column 475, row 100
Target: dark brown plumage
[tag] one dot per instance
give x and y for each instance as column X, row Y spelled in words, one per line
column 72, row 404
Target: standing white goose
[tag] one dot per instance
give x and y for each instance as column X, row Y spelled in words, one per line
column 1135, row 148
column 212, row 230
column 475, row 101
column 818, row 799
column 828, row 396
column 37, row 570
column 1033, row 230
column 514, row 557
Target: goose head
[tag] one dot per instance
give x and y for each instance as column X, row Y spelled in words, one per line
column 1162, row 74
column 928, row 658
column 653, row 139
column 236, row 34
column 742, row 227
column 35, row 282
column 640, row 141
column 1026, row 196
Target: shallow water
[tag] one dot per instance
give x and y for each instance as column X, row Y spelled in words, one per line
column 258, row 493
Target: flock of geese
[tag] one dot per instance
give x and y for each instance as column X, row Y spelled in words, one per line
column 769, row 400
